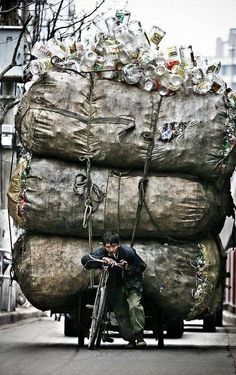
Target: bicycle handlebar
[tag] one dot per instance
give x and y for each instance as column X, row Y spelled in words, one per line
column 117, row 264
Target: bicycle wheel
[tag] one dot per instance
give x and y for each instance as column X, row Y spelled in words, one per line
column 98, row 311
column 102, row 318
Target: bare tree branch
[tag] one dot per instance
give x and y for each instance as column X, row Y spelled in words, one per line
column 81, row 20
column 13, row 62
column 10, row 9
column 52, row 33
column 7, row 107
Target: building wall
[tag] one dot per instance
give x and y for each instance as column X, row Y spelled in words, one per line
column 226, row 53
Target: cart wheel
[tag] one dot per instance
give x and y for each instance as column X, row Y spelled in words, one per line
column 70, row 329
column 175, row 328
column 209, row 323
column 81, row 338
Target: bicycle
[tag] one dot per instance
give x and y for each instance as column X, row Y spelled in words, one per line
column 99, row 313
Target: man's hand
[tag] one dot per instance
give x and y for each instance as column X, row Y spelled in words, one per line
column 124, row 264
column 109, row 261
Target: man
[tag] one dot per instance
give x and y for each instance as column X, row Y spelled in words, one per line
column 124, row 286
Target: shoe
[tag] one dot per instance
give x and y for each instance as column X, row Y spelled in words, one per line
column 131, row 345
column 141, row 343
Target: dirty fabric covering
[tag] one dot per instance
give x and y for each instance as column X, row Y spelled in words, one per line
column 180, row 278
column 67, row 116
column 54, row 194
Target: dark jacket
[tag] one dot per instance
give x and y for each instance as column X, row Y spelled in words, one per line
column 131, row 278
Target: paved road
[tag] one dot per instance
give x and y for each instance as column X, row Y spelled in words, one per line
column 38, row 347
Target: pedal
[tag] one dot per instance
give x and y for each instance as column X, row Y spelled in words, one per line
column 89, row 306
column 107, row 339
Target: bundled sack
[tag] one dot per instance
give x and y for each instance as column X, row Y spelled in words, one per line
column 68, row 116
column 180, row 278
column 54, row 194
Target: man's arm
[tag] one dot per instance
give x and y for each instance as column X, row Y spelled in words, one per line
column 93, row 260
column 135, row 264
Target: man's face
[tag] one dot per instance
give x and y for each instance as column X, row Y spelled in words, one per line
column 112, row 248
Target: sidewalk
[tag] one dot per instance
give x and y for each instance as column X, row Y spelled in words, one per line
column 19, row 314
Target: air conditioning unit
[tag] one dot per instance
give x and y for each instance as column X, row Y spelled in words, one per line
column 7, row 135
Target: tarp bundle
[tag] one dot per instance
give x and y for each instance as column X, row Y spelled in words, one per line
column 41, row 200
column 181, row 278
column 69, row 117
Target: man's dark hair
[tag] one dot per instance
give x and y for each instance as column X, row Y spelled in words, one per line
column 110, row 237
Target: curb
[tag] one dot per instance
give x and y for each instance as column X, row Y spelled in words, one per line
column 20, row 314
column 229, row 318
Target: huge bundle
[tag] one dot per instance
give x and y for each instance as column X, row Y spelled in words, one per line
column 181, row 278
column 114, row 123
column 110, row 154
column 44, row 191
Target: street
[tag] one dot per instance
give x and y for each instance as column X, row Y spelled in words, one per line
column 39, row 347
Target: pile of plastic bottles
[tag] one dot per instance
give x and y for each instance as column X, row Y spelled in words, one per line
column 118, row 48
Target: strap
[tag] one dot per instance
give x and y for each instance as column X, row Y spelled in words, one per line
column 144, row 180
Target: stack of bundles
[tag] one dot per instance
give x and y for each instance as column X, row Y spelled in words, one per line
column 152, row 168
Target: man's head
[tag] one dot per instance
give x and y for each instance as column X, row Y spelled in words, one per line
column 111, row 242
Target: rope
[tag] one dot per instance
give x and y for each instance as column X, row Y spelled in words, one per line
column 118, row 205
column 88, row 209
column 144, row 180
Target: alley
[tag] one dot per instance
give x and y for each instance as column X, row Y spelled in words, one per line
column 39, row 347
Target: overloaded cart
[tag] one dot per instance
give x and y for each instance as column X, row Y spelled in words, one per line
column 121, row 136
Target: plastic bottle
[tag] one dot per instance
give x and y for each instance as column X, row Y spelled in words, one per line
column 218, row 86
column 186, row 57
column 160, row 69
column 38, row 67
column 40, row 50
column 132, row 74
column 147, row 83
column 214, row 68
column 156, row 35
column 88, row 60
column 111, row 23
column 175, row 82
column 141, row 39
column 172, row 57
column 123, row 36
column 123, row 16
column 109, row 69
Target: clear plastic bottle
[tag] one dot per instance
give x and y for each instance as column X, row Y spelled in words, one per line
column 172, row 57
column 147, row 83
column 123, row 36
column 214, row 68
column 186, row 57
column 109, row 70
column 160, row 70
column 140, row 37
column 40, row 66
column 175, row 82
column 123, row 16
column 87, row 61
column 155, row 35
column 147, row 57
column 41, row 51
column 111, row 23
column 197, row 75
column 218, row 86
column 132, row 74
